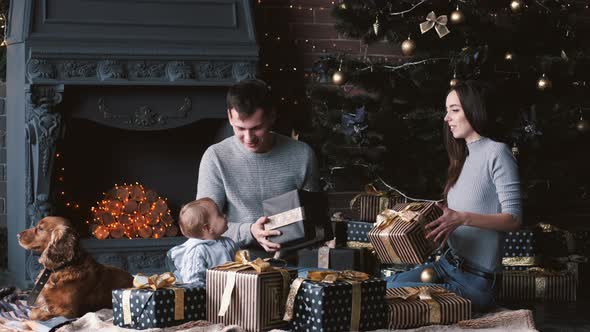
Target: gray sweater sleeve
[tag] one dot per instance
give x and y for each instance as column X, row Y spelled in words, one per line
column 312, row 176
column 504, row 173
column 210, row 184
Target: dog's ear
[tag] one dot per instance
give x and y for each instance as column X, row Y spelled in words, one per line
column 61, row 249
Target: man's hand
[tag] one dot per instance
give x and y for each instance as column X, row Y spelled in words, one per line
column 261, row 235
column 445, row 225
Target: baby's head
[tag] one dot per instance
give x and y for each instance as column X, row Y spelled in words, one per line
column 202, row 219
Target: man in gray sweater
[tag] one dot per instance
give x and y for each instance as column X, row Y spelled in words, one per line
column 253, row 165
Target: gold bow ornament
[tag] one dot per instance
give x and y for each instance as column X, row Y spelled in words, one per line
column 154, row 282
column 439, row 24
column 354, row 278
column 242, row 262
column 421, row 294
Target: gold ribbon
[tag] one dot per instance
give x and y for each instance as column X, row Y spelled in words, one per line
column 354, row 278
column 521, row 261
column 407, row 214
column 439, row 24
column 372, row 191
column 285, row 218
column 242, row 262
column 324, row 257
column 424, row 294
column 154, row 282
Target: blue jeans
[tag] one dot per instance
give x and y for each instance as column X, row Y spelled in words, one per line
column 473, row 287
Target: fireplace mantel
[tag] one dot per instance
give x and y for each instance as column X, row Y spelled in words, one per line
column 62, row 50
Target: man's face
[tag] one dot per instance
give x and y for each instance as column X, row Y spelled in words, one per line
column 253, row 131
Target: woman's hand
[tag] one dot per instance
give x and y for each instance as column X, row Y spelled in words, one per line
column 445, row 225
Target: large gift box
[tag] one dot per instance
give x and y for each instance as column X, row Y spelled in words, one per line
column 398, row 236
column 372, row 202
column 336, row 301
column 251, row 294
column 520, row 250
column 348, row 231
column 358, row 259
column 538, row 284
column 409, row 307
column 301, row 216
column 157, row 302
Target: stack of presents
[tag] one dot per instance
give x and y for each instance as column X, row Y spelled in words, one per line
column 338, row 285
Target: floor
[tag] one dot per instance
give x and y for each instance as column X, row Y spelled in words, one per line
column 554, row 317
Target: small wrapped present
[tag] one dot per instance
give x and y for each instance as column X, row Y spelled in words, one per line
column 398, row 236
column 372, row 202
column 358, row 259
column 352, row 231
column 409, row 307
column 251, row 294
column 301, row 216
column 336, row 301
column 538, row 284
column 522, row 243
column 157, row 302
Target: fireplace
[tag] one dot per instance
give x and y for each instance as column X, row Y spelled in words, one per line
column 103, row 92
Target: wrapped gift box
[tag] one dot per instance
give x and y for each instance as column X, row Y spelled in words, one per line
column 410, row 307
column 352, row 231
column 538, row 284
column 369, row 205
column 358, row 259
column 301, row 216
column 257, row 302
column 146, row 308
column 322, row 306
column 522, row 243
column 398, row 237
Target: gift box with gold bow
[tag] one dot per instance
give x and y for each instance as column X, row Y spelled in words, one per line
column 157, row 301
column 372, row 202
column 538, row 284
column 251, row 294
column 409, row 307
column 358, row 259
column 398, row 236
column 336, row 301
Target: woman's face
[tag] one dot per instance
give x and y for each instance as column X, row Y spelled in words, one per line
column 457, row 121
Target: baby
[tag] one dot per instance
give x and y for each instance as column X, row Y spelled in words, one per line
column 203, row 223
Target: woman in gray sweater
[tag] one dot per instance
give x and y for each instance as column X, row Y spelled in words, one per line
column 483, row 201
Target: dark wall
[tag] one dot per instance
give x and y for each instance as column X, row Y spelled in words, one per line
column 3, row 240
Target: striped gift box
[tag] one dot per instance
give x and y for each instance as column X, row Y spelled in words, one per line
column 257, row 302
column 443, row 308
column 369, row 206
column 541, row 285
column 403, row 242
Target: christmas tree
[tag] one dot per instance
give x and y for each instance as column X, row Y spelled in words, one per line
column 386, row 116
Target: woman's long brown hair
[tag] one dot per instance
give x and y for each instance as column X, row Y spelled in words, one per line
column 472, row 95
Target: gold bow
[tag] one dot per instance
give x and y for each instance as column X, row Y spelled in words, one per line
column 354, row 278
column 407, row 214
column 423, row 294
column 242, row 262
column 154, row 282
column 439, row 24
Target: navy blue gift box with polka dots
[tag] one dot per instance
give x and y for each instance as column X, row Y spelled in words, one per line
column 352, row 231
column 151, row 309
column 327, row 306
column 522, row 243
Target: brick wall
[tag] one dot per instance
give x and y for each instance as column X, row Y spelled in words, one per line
column 3, row 239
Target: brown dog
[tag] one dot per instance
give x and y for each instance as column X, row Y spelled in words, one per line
column 78, row 284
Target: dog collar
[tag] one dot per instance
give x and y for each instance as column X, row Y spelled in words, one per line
column 38, row 287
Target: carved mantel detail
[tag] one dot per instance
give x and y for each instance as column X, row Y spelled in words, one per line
column 144, row 116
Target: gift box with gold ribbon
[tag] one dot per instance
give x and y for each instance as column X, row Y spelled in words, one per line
column 409, row 307
column 372, row 202
column 538, row 284
column 251, row 294
column 156, row 301
column 336, row 301
column 398, row 236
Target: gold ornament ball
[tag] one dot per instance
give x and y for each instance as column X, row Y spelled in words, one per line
column 428, row 275
column 457, row 16
column 508, row 56
column 583, row 126
column 453, row 82
column 516, row 6
column 338, row 77
column 544, row 83
column 408, row 47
